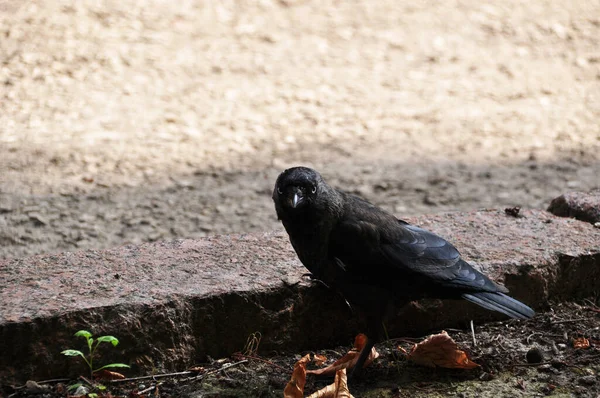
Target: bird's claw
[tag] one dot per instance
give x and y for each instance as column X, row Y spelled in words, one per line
column 315, row 279
column 309, row 275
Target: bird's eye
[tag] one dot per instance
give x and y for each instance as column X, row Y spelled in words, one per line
column 314, row 189
column 279, row 191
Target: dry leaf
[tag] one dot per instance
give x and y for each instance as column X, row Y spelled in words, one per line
column 319, row 360
column 440, row 350
column 581, row 342
column 295, row 387
column 349, row 360
column 339, row 388
column 197, row 369
column 105, row 374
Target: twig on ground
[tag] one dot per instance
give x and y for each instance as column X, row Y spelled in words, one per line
column 530, row 336
column 53, row 381
column 88, row 381
column 553, row 363
column 145, row 390
column 473, row 334
column 568, row 321
column 265, row 361
column 543, row 337
column 520, row 365
column 591, row 305
column 252, row 344
column 406, row 340
column 43, row 382
column 224, row 367
column 159, row 376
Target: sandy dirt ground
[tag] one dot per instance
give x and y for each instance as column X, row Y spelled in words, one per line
column 125, row 122
column 138, row 121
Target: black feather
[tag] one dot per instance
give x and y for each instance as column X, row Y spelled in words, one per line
column 502, row 303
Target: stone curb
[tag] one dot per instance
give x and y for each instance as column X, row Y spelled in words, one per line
column 172, row 304
column 584, row 206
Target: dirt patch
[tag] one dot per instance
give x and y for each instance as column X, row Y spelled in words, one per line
column 501, row 349
column 206, row 203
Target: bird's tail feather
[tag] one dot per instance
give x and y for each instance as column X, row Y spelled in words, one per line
column 500, row 302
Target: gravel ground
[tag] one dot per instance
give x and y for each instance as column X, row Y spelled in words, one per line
column 136, row 121
column 124, row 122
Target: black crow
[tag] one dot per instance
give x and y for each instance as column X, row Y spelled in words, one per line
column 371, row 257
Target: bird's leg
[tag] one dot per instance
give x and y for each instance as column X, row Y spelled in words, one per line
column 374, row 333
column 362, row 357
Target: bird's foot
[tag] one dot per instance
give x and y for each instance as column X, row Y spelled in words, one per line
column 309, row 275
column 314, row 279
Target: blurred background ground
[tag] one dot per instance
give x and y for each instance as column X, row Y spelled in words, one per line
column 123, row 122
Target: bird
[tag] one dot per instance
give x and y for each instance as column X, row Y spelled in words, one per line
column 373, row 258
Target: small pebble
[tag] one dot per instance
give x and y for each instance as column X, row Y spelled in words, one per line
column 81, row 391
column 587, row 380
column 34, row 388
column 535, row 355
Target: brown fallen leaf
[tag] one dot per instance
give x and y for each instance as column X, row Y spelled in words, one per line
column 339, row 388
column 581, row 342
column 106, row 374
column 440, row 350
column 319, row 360
column 295, row 387
column 349, row 360
column 197, row 369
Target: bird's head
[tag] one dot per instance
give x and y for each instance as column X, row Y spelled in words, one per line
column 296, row 189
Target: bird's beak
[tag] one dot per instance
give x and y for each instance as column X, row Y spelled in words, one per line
column 297, row 199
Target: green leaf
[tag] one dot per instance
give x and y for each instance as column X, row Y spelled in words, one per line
column 83, row 333
column 74, row 386
column 113, row 365
column 108, row 339
column 100, row 387
column 93, row 395
column 73, row 353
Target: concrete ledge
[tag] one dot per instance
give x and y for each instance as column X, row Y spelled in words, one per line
column 584, row 206
column 173, row 304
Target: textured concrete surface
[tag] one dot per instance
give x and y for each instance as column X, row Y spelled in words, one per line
column 173, row 304
column 583, row 206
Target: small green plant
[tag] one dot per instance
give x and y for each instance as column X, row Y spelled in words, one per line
column 92, row 346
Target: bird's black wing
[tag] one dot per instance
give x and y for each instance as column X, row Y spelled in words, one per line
column 393, row 245
column 426, row 253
